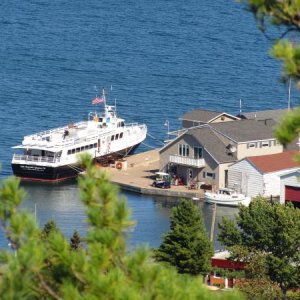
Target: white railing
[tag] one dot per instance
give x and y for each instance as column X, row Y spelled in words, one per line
column 187, row 161
column 47, row 159
column 37, row 139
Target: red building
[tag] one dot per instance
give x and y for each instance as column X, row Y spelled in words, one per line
column 220, row 260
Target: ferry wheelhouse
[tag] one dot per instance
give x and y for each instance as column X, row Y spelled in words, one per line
column 53, row 155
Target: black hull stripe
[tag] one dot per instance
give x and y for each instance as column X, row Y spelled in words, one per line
column 62, row 173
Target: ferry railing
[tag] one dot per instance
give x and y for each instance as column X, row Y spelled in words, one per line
column 33, row 158
column 70, row 141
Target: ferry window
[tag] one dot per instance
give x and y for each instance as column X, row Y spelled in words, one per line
column 197, row 152
column 122, row 124
column 117, row 136
column 91, row 146
column 77, row 150
column 95, row 145
column 82, row 148
column 69, row 152
column 73, row 151
column 112, row 137
column 121, row 135
column 86, row 147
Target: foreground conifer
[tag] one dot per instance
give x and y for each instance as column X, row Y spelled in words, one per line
column 47, row 268
column 186, row 246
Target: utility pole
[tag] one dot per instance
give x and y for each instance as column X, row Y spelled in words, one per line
column 213, row 221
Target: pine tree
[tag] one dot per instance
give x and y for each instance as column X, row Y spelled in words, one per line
column 186, row 246
column 49, row 227
column 75, row 241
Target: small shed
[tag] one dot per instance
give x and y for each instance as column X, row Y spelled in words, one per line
column 290, row 188
column 260, row 175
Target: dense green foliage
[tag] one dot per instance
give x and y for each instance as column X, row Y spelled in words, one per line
column 268, row 237
column 186, row 246
column 44, row 266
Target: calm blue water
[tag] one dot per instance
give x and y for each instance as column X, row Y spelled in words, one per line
column 163, row 58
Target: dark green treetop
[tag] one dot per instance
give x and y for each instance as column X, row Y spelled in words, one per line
column 186, row 246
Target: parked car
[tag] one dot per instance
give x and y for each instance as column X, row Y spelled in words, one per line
column 163, row 180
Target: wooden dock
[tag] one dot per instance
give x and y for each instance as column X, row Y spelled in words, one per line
column 139, row 174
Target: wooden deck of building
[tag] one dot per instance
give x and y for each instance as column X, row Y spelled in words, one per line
column 139, row 175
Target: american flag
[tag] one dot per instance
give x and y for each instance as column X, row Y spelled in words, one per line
column 97, row 100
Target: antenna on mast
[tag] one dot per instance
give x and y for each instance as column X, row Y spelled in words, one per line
column 103, row 96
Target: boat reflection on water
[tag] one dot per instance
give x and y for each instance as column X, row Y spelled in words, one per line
column 61, row 202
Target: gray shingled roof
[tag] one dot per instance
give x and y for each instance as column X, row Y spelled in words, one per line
column 244, row 130
column 274, row 114
column 200, row 115
column 212, row 143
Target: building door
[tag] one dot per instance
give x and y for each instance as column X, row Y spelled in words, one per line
column 292, row 193
column 226, row 178
column 190, row 175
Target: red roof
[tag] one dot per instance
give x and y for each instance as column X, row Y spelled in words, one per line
column 227, row 264
column 275, row 162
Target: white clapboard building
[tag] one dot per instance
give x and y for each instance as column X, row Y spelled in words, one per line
column 260, row 175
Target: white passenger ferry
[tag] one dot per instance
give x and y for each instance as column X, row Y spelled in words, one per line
column 53, row 155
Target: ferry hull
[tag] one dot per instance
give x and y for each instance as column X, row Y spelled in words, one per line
column 29, row 172
column 44, row 173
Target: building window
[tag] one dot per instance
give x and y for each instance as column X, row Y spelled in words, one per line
column 184, row 150
column 265, row 144
column 251, row 145
column 209, row 175
column 197, row 152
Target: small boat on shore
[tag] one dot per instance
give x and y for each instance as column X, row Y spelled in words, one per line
column 53, row 155
column 226, row 196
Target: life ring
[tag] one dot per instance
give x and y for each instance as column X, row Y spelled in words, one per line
column 119, row 165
